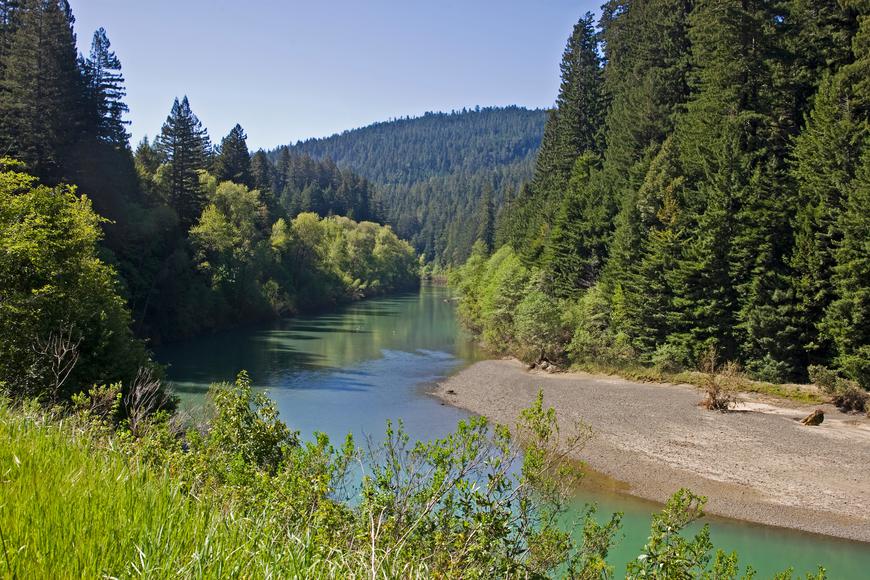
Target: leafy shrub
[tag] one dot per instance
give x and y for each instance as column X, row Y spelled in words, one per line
column 593, row 339
column 539, row 330
column 856, row 366
column 849, row 397
column 824, row 378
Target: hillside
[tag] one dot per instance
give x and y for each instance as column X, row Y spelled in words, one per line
column 432, row 171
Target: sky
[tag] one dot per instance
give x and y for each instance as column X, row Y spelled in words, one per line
column 288, row 70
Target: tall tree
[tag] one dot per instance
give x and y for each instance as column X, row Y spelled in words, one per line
column 105, row 92
column 486, row 219
column 569, row 259
column 185, row 145
column 41, row 106
column 574, row 127
column 234, row 161
column 826, row 158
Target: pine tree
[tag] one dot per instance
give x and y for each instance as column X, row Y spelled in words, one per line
column 574, row 127
column 234, row 161
column 41, row 110
column 185, row 145
column 648, row 242
column 847, row 320
column 571, row 262
column 9, row 14
column 486, row 219
column 283, row 169
column 647, row 51
column 826, row 160
column 105, row 92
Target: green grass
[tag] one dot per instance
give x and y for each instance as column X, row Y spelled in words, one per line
column 71, row 508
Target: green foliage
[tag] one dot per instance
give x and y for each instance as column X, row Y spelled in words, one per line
column 42, row 88
column 573, row 129
column 62, row 322
column 185, row 147
column 538, row 325
column 669, row 555
column 233, row 162
column 433, row 172
column 244, row 496
column 707, row 216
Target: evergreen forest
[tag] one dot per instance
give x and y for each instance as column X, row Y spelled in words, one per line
column 442, row 177
column 701, row 193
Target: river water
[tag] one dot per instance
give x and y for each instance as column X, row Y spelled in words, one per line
column 353, row 369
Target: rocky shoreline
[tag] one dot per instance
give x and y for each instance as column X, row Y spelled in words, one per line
column 756, row 463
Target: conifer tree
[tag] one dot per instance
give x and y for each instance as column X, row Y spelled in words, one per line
column 573, row 127
column 486, row 220
column 283, row 169
column 234, row 161
column 184, row 143
column 646, row 80
column 826, row 160
column 41, row 108
column 105, row 92
column 847, row 320
column 571, row 262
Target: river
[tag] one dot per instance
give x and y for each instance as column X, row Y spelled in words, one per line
column 353, row 369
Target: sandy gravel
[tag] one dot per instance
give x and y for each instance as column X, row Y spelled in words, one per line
column 756, row 463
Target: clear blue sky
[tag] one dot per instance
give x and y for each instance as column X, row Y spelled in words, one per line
column 291, row 69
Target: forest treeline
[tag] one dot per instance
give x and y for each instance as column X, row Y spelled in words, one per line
column 177, row 238
column 703, row 187
column 439, row 175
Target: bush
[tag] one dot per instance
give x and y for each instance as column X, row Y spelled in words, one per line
column 670, row 358
column 850, row 398
column 824, row 378
column 856, row 366
column 769, row 370
column 593, row 339
column 539, row 330
column 721, row 386
column 847, row 395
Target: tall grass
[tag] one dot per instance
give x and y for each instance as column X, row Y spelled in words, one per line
column 72, row 507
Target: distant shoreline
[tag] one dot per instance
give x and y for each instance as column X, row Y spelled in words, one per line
column 756, row 464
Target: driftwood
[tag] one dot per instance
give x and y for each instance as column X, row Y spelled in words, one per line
column 814, row 419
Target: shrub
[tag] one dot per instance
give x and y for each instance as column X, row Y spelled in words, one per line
column 847, row 395
column 539, row 329
column 721, row 386
column 856, row 366
column 593, row 339
column 769, row 370
column 824, row 378
column 670, row 358
column 849, row 398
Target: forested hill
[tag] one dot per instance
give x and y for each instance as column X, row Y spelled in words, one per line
column 702, row 193
column 433, row 172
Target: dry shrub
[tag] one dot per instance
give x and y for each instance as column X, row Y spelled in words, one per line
column 851, row 398
column 721, row 386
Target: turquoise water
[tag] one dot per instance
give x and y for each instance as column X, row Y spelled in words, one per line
column 352, row 370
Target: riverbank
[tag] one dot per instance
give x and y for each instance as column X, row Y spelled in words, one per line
column 756, row 463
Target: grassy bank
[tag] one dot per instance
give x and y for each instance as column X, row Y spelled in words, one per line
column 85, row 495
column 76, row 506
